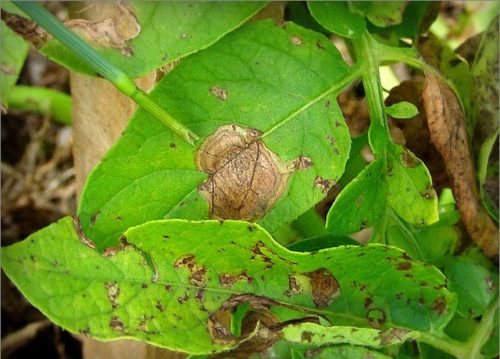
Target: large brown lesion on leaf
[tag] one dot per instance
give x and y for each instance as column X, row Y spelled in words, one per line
column 113, row 25
column 245, row 178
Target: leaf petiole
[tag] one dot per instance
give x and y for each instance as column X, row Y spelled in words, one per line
column 103, row 67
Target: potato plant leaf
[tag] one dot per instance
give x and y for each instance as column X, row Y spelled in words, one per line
column 485, row 109
column 402, row 184
column 173, row 276
column 389, row 14
column 14, row 51
column 270, row 86
column 317, row 335
column 403, row 109
column 143, row 36
column 284, row 349
column 473, row 283
column 336, row 17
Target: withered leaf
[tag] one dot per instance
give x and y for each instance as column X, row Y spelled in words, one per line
column 448, row 133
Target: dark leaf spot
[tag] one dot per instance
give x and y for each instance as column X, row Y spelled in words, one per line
column 116, row 324
column 368, row 302
column 306, row 336
column 93, row 218
column 439, row 306
column 408, row 159
column 376, row 317
column 302, row 163
column 159, row 306
column 403, row 266
column 323, row 184
column 324, row 286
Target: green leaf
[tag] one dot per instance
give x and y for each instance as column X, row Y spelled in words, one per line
column 168, row 280
column 391, row 13
column 410, row 191
column 417, row 18
column 336, row 17
column 168, row 31
column 284, row 349
column 356, row 162
column 281, row 82
column 315, row 334
column 362, row 203
column 473, row 284
column 14, row 51
column 321, row 242
column 403, row 184
column 298, row 13
column 431, row 244
column 402, row 110
column 485, row 108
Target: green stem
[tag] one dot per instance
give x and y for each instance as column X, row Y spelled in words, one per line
column 483, row 332
column 48, row 102
column 448, row 345
column 103, row 67
column 378, row 133
column 472, row 348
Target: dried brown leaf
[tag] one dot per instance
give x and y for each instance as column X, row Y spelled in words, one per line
column 446, row 121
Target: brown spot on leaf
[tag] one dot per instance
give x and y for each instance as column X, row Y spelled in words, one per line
column 228, row 280
column 7, row 70
column 200, row 294
column 159, row 306
column 27, row 29
column 376, row 317
column 197, row 272
column 112, row 251
column 183, row 299
column 109, row 32
column 245, row 177
column 403, row 266
column 116, row 324
column 439, row 306
column 323, row 184
column 113, row 292
column 324, row 286
column 79, row 230
column 446, row 121
column 219, row 332
column 257, row 250
column 408, row 159
column 93, row 218
column 219, row 92
column 392, row 336
column 306, row 336
column 302, row 163
column 294, row 39
column 293, row 285
column 368, row 302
